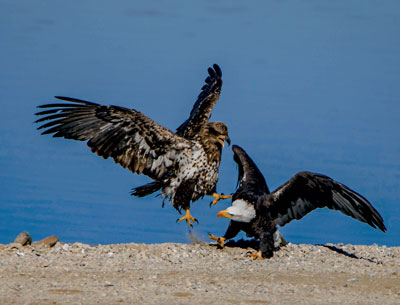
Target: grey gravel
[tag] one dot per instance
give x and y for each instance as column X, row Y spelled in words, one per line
column 198, row 274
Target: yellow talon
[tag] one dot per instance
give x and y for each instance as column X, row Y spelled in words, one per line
column 219, row 240
column 256, row 255
column 188, row 217
column 218, row 197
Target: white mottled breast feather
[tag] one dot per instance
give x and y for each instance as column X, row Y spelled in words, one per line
column 194, row 165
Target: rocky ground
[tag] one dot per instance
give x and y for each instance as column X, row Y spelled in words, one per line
column 58, row 273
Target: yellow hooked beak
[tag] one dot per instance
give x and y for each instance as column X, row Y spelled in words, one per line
column 224, row 213
column 222, row 138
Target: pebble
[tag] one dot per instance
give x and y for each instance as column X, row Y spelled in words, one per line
column 23, row 238
column 49, row 241
column 65, row 247
column 354, row 279
column 14, row 246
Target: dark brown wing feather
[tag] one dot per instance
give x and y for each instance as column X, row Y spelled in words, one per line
column 251, row 181
column 132, row 139
column 206, row 100
column 307, row 191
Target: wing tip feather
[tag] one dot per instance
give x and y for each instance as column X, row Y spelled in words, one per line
column 217, row 70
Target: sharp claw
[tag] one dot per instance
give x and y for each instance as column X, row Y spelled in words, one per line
column 218, row 197
column 214, row 202
column 189, row 218
column 256, row 255
column 219, row 240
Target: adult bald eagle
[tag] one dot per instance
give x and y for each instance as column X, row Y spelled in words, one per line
column 257, row 212
column 184, row 165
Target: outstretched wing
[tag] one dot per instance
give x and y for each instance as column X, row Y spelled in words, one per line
column 201, row 111
column 132, row 139
column 307, row 191
column 250, row 178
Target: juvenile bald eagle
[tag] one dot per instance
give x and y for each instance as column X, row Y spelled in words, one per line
column 257, row 212
column 184, row 165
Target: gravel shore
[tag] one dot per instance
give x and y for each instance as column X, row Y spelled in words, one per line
column 197, row 274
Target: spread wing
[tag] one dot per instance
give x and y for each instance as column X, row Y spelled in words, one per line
column 307, row 191
column 250, row 179
column 201, row 111
column 132, row 139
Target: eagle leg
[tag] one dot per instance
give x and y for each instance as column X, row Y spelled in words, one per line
column 218, row 197
column 188, row 217
column 256, row 255
column 219, row 240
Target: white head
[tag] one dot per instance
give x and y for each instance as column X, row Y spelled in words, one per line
column 240, row 210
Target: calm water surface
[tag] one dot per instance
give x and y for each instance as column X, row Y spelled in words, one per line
column 308, row 85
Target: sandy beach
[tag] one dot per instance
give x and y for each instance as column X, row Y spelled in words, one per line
column 197, row 273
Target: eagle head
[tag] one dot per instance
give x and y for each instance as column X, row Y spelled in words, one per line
column 241, row 210
column 218, row 133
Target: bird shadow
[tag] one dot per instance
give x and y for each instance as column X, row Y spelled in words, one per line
column 241, row 243
column 347, row 254
column 244, row 244
column 339, row 250
column 255, row 244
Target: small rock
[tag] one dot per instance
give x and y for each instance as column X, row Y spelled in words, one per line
column 65, row 247
column 14, row 246
column 354, row 279
column 24, row 238
column 20, row 253
column 49, row 241
column 108, row 284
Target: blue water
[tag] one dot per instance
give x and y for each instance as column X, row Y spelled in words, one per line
column 308, row 85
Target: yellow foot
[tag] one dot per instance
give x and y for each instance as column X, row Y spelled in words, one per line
column 219, row 240
column 218, row 197
column 256, row 255
column 188, row 217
